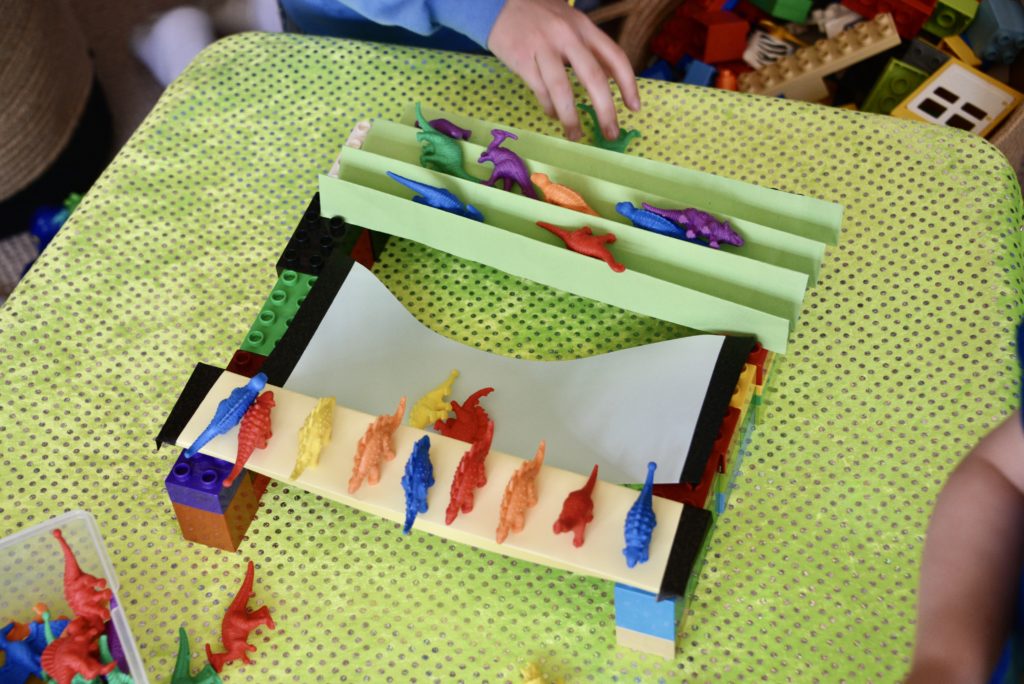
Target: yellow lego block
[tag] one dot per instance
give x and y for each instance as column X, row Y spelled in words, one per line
column 744, row 391
column 956, row 46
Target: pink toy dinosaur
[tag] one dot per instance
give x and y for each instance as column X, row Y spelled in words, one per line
column 470, row 421
column 86, row 595
column 469, row 475
column 578, row 510
column 75, row 653
column 508, row 166
column 520, row 496
column 374, row 448
column 253, row 433
column 583, row 241
column 238, row 622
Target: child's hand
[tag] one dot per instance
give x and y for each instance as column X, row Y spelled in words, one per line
column 536, row 38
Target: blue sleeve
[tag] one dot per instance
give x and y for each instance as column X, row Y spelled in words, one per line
column 473, row 18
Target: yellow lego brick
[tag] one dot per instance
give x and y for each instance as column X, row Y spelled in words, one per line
column 800, row 76
column 961, row 97
column 627, row 638
column 744, row 391
column 955, row 45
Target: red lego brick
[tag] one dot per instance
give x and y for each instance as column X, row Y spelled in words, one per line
column 259, row 484
column 246, row 363
column 674, row 38
column 718, row 37
column 720, row 449
column 686, row 493
column 751, row 12
column 362, row 251
column 758, row 358
column 220, row 530
column 908, row 15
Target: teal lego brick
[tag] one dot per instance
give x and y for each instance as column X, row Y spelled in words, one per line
column 278, row 311
column 898, row 80
column 787, row 10
column 642, row 612
column 951, row 17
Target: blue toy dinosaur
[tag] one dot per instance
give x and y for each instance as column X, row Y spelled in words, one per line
column 640, row 523
column 418, row 478
column 229, row 412
column 648, row 220
column 22, row 657
column 438, row 198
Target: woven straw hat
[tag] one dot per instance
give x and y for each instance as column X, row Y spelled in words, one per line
column 45, row 79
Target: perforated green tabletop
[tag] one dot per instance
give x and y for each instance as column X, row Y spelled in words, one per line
column 902, row 358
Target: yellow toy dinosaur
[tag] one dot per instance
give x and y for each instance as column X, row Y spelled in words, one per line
column 314, row 435
column 432, row 406
column 520, row 496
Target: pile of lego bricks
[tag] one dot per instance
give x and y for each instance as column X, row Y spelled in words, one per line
column 941, row 61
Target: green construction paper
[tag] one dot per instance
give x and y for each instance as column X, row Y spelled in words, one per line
column 545, row 263
column 762, row 243
column 807, row 216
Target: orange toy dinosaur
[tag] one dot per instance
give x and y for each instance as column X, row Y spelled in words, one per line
column 374, row 448
column 87, row 596
column 520, row 496
column 238, row 622
column 561, row 195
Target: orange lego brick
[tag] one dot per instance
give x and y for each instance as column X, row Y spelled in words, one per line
column 220, row 530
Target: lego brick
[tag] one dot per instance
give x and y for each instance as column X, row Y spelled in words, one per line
column 660, row 70
column 956, row 47
column 718, row 37
column 246, row 363
column 313, row 241
column 642, row 612
column 997, row 32
column 675, row 36
column 744, row 388
column 197, row 482
column 799, row 76
column 645, row 643
column 923, row 55
column 835, row 19
column 957, row 95
column 788, row 10
column 759, row 358
column 908, row 15
column 763, row 49
column 951, row 17
column 699, row 73
column 896, row 82
column 273, row 320
column 220, row 530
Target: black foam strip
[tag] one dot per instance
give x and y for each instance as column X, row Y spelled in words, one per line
column 694, row 524
column 731, row 359
column 196, row 389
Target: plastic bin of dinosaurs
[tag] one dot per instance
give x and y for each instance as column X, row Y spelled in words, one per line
column 32, row 563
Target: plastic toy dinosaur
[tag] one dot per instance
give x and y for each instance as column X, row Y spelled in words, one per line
column 314, row 435
column 470, row 421
column 561, row 195
column 86, row 595
column 238, row 622
column 438, row 198
column 22, row 656
column 115, row 676
column 583, row 241
column 619, row 144
column 417, row 480
column 446, row 127
column 648, row 220
column 74, row 653
column 440, row 152
column 253, row 433
column 578, row 511
column 640, row 523
column 520, row 496
column 432, row 406
column 469, row 475
column 182, row 673
column 700, row 224
column 508, row 166
column 375, row 447
column 229, row 412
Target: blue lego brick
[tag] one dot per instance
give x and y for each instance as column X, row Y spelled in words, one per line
column 660, row 70
column 721, row 498
column 197, row 482
column 642, row 612
column 699, row 73
column 997, row 33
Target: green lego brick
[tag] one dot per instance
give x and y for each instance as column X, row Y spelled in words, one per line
column 951, row 17
column 897, row 81
column 278, row 311
column 788, row 10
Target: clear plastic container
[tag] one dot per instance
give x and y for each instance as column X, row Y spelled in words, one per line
column 32, row 571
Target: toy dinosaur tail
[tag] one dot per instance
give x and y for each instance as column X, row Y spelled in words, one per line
column 71, row 569
column 589, row 487
column 649, row 482
column 424, row 124
column 244, row 592
column 400, row 411
column 584, row 107
column 553, row 229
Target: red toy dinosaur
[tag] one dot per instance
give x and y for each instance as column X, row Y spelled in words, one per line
column 238, row 622
column 470, row 421
column 75, row 653
column 87, row 596
column 469, row 475
column 578, row 510
column 253, row 433
column 583, row 241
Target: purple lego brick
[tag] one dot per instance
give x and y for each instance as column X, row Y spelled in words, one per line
column 197, row 482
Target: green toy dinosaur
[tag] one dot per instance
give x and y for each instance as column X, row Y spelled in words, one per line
column 619, row 144
column 440, row 152
column 182, row 674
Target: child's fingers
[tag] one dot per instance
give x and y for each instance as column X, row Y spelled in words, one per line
column 530, row 73
column 553, row 72
column 595, row 80
column 615, row 63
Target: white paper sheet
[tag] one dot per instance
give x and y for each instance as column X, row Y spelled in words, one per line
column 619, row 410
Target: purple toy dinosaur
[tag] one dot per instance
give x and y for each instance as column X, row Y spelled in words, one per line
column 448, row 128
column 700, row 223
column 508, row 167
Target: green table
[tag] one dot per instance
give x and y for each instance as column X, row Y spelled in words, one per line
column 903, row 357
